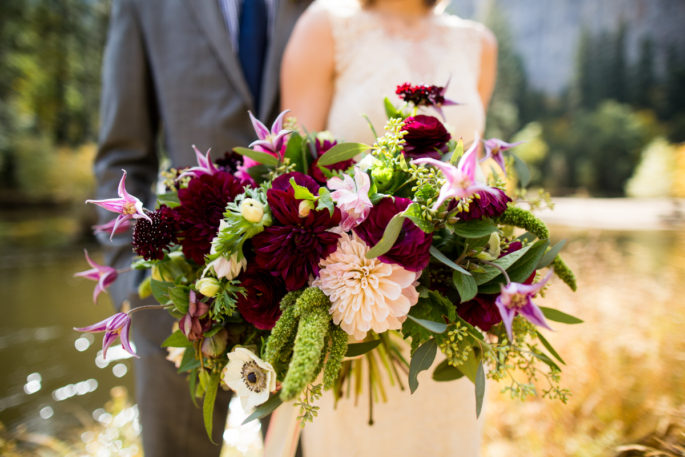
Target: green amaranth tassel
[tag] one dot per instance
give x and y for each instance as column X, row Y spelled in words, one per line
column 283, row 332
column 524, row 219
column 564, row 273
column 335, row 358
column 312, row 308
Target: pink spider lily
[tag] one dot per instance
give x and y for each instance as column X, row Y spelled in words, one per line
column 114, row 326
column 124, row 226
column 205, row 166
column 460, row 180
column 127, row 206
column 352, row 197
column 103, row 274
column 494, row 148
column 516, row 298
column 269, row 141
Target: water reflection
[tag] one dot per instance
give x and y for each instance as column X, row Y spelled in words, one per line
column 52, row 376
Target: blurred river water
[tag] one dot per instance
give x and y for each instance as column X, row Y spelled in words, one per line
column 625, row 364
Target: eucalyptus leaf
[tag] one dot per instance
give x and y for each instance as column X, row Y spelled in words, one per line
column 177, row 340
column 550, row 255
column 480, row 388
column 341, row 152
column 355, row 349
column 435, row 252
column 544, row 358
column 522, row 170
column 208, row 404
column 446, row 372
column 476, row 228
column 470, row 366
column 258, row 156
column 465, row 284
column 390, row 110
column 414, row 213
column 265, row 408
column 549, row 347
column 557, row 316
column 520, row 270
column 435, row 327
column 390, row 235
column 420, row 361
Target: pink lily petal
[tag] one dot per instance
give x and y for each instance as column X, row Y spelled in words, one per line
column 494, row 148
column 259, row 128
column 516, row 298
column 117, row 325
column 109, row 227
column 104, row 275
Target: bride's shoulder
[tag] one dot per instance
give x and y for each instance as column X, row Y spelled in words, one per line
column 336, row 8
column 457, row 25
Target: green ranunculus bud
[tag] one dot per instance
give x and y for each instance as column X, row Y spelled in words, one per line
column 144, row 288
column 215, row 345
column 252, row 210
column 208, row 287
column 382, row 177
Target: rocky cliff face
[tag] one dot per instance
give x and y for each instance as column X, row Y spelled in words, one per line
column 546, row 32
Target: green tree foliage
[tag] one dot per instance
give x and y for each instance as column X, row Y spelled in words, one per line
column 50, row 60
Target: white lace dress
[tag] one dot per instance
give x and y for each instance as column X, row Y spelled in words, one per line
column 372, row 56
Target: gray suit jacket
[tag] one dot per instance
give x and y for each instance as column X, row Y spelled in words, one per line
column 170, row 68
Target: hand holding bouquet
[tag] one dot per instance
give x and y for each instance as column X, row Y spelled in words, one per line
column 288, row 268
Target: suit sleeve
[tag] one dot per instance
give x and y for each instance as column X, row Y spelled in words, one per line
column 129, row 126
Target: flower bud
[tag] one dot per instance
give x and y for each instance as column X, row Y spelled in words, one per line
column 252, row 210
column 144, row 288
column 215, row 345
column 306, row 206
column 208, row 287
column 382, row 177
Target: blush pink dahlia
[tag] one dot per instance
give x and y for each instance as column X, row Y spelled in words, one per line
column 366, row 294
column 411, row 249
column 293, row 246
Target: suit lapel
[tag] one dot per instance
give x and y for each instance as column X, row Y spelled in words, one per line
column 211, row 21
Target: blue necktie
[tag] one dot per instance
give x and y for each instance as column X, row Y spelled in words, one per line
column 252, row 44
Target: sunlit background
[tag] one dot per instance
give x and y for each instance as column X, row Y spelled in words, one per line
column 597, row 90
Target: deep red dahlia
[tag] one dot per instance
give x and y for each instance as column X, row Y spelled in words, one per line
column 293, row 246
column 412, row 246
column 202, row 206
column 260, row 306
column 491, row 203
column 151, row 238
column 425, row 137
column 321, row 146
column 481, row 311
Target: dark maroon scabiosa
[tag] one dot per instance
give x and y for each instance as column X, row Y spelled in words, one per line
column 298, row 239
column 425, row 137
column 481, row 311
column 151, row 238
column 485, row 203
column 412, row 246
column 202, row 206
column 229, row 162
column 320, row 147
column 421, row 95
column 260, row 306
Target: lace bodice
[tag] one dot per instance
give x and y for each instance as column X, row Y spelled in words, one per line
column 375, row 53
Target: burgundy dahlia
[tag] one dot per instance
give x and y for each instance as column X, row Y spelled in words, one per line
column 425, row 137
column 411, row 250
column 202, row 206
column 321, row 146
column 260, row 306
column 481, row 311
column 491, row 203
column 151, row 238
column 293, row 246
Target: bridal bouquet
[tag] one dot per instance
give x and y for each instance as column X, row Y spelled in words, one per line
column 305, row 263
